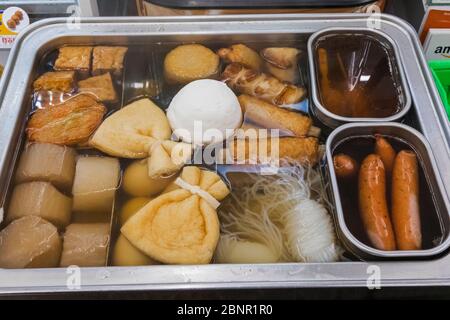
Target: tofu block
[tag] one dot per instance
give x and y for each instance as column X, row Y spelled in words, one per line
column 62, row 81
column 40, row 199
column 85, row 245
column 108, row 59
column 74, row 58
column 30, row 242
column 47, row 162
column 95, row 185
column 100, row 86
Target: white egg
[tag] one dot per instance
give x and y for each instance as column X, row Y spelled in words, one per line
column 204, row 112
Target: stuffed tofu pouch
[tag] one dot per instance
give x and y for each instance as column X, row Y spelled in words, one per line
column 181, row 226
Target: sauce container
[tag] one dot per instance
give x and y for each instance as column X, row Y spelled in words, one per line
column 434, row 205
column 356, row 76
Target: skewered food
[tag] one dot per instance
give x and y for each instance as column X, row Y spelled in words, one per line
column 30, row 242
column 273, row 117
column 63, row 81
column 40, row 199
column 190, row 62
column 240, row 53
column 282, row 63
column 405, row 201
column 108, row 59
column 209, row 103
column 70, row 123
column 96, row 181
column 261, row 85
column 74, row 58
column 100, row 86
column 373, row 204
column 180, row 227
column 47, row 162
column 85, row 245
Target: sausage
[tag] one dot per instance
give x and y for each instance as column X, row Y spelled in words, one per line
column 373, row 204
column 345, row 166
column 405, row 201
column 387, row 153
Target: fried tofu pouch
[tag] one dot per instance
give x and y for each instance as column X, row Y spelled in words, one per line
column 180, row 227
column 69, row 123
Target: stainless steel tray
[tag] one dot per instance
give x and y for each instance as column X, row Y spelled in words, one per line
column 45, row 35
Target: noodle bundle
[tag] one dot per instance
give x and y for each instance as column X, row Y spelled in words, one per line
column 284, row 212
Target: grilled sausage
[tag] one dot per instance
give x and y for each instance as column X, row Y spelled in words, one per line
column 373, row 204
column 405, row 201
column 345, row 166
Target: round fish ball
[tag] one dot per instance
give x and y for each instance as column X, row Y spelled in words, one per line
column 131, row 207
column 136, row 181
column 125, row 254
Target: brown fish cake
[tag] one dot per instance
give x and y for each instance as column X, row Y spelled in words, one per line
column 69, row 123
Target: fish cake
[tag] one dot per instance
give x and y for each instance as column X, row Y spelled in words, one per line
column 62, row 81
column 69, row 123
column 190, row 62
column 74, row 58
column 108, row 59
column 100, row 86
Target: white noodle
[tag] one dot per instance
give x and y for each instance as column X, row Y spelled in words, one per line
column 279, row 212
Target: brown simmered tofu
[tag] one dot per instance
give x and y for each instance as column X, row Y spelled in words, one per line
column 62, row 81
column 100, row 86
column 74, row 58
column 108, row 59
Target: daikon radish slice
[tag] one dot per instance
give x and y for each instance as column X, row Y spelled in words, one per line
column 47, row 162
column 96, row 181
column 85, row 245
column 40, row 199
column 30, row 242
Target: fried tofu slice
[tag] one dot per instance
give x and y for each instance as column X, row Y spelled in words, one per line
column 62, row 81
column 69, row 123
column 100, row 86
column 74, row 58
column 108, row 59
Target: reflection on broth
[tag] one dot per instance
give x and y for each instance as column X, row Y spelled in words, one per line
column 357, row 76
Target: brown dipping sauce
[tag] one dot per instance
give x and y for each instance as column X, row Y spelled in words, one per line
column 360, row 147
column 358, row 77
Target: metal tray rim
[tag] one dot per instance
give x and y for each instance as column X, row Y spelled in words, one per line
column 241, row 276
column 314, row 87
column 338, row 205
